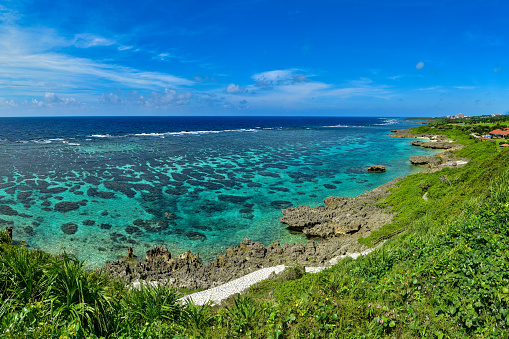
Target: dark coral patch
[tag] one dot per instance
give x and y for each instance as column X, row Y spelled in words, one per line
column 280, row 204
column 232, row 198
column 69, row 228
column 66, row 206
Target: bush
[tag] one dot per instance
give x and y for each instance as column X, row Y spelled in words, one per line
column 292, row 273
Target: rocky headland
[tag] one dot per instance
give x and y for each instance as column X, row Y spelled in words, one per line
column 332, row 230
column 446, row 158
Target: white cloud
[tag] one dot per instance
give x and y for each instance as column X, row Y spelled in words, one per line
column 419, row 65
column 30, row 58
column 156, row 100
column 290, row 91
column 86, row 40
column 71, row 71
column 432, row 88
column 204, row 79
column 170, row 97
column 235, row 89
column 51, row 98
column 164, row 56
column 227, row 105
column 111, row 98
column 124, row 48
column 8, row 103
column 8, row 15
column 465, row 87
column 35, row 102
column 278, row 77
column 35, row 71
column 395, row 77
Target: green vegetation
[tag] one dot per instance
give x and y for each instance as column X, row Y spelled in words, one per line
column 446, row 189
column 479, row 121
column 460, row 128
column 445, row 276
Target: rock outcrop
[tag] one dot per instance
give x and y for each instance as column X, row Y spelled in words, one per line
column 447, row 158
column 341, row 215
column 187, row 270
column 376, row 168
column 407, row 133
column 434, row 144
column 423, row 160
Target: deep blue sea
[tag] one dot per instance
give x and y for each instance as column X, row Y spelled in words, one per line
column 96, row 185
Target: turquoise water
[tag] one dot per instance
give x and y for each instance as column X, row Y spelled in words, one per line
column 200, row 190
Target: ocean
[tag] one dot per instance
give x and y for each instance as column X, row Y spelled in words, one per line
column 94, row 186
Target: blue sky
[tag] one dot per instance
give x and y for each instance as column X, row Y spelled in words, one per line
column 344, row 57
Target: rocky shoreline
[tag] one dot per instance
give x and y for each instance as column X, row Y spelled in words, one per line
column 446, row 158
column 336, row 226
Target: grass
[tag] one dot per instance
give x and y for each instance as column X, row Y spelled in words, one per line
column 445, row 276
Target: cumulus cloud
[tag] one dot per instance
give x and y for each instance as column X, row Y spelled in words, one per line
column 279, row 77
column 235, row 89
column 170, row 97
column 156, row 100
column 51, row 98
column 419, row 65
column 8, row 103
column 36, row 102
column 294, row 90
column 111, row 99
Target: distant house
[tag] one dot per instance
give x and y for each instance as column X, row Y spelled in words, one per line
column 504, row 145
column 457, row 116
column 498, row 133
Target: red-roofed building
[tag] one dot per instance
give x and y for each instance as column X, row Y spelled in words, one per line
column 498, row 133
column 504, row 145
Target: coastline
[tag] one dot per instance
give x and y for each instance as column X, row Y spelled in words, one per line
column 338, row 225
column 205, row 202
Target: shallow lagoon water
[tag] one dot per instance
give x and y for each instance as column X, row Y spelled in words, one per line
column 94, row 186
